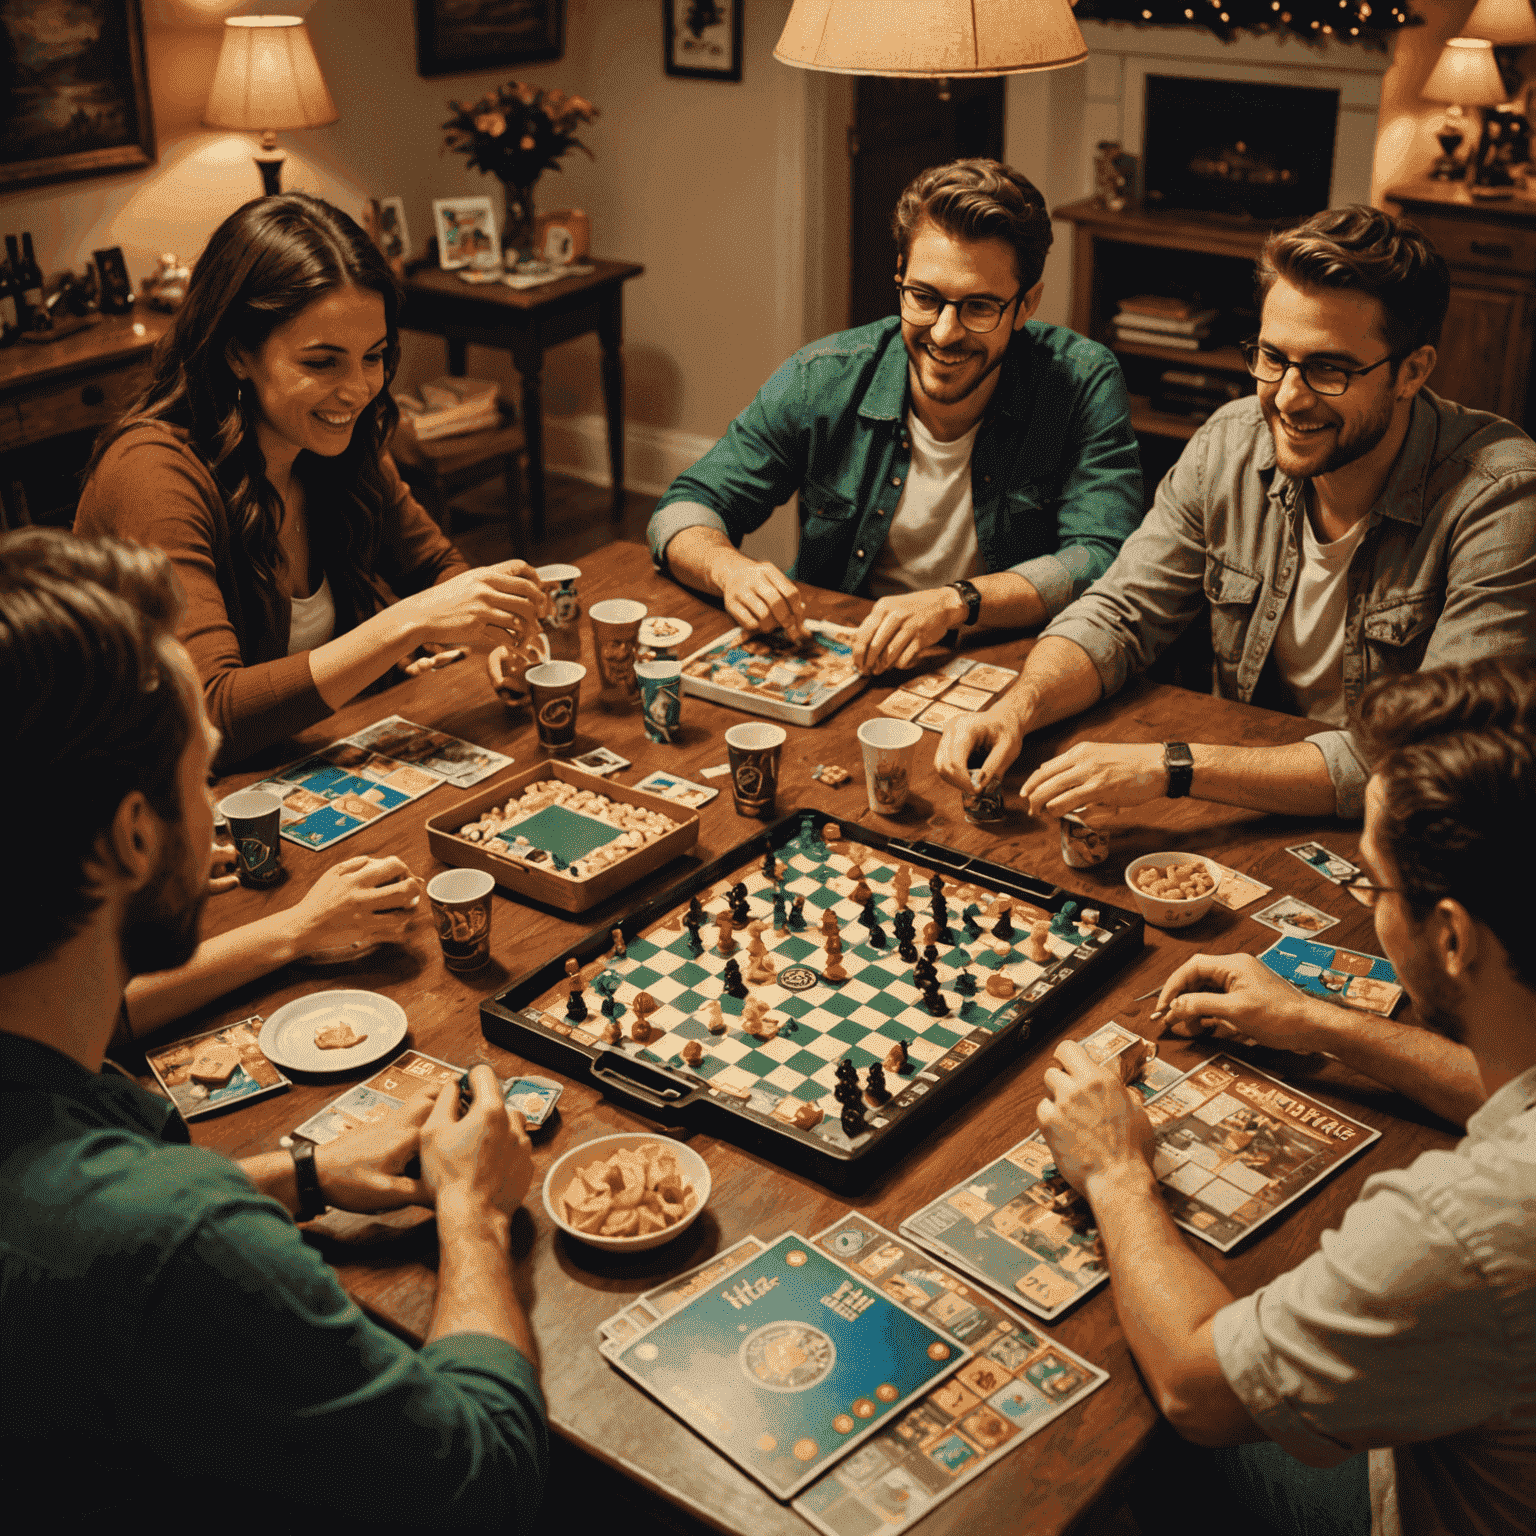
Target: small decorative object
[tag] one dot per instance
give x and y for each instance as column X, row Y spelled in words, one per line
column 561, row 238
column 516, row 134
column 454, row 38
column 703, row 38
column 384, row 219
column 168, row 287
column 1114, row 175
column 113, row 285
column 466, row 233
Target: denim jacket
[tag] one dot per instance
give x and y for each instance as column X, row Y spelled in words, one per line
column 1055, row 475
column 1445, row 572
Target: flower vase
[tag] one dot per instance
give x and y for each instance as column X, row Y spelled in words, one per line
column 517, row 231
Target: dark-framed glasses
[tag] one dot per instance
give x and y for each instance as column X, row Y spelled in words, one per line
column 1321, row 377
column 922, row 306
column 1366, row 890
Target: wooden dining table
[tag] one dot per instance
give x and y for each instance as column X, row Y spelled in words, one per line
column 388, row 1263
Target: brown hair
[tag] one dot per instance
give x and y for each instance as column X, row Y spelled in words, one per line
column 1366, row 251
column 1454, row 751
column 978, row 200
column 99, row 707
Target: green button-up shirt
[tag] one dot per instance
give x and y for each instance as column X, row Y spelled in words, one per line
column 1055, row 475
column 156, row 1303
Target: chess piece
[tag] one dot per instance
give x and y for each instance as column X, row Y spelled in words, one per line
column 740, row 911
column 834, row 969
column 856, row 870
column 1003, row 927
column 834, row 944
column 933, row 1000
column 756, row 947
column 905, row 949
column 936, row 886
column 693, row 1053
column 972, row 927
column 874, row 1084
column 861, row 895
column 724, row 927
column 731, row 980
column 999, row 985
column 714, row 1019
column 853, row 1120
column 1035, row 947
column 829, row 923
column 761, row 969
column 611, row 1033
column 896, row 1059
column 845, row 1071
column 831, row 833
column 965, row 984
column 770, row 865
column 619, row 951
column 752, row 1012
column 807, row 1117
column 902, row 884
column 644, row 1004
column 640, row 1031
column 924, row 971
column 780, row 924
column 576, row 1004
column 1061, row 924
column 695, row 916
column 797, row 915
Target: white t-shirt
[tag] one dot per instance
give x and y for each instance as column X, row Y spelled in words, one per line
column 1309, row 644
column 313, row 620
column 932, row 541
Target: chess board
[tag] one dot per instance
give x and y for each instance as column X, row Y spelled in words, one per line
column 751, row 1089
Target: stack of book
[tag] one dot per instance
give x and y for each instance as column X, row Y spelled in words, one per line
column 1183, row 392
column 449, row 406
column 1150, row 320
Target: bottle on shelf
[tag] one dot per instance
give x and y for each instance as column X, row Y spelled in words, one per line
column 30, row 281
column 10, row 319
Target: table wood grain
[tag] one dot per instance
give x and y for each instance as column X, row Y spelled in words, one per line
column 568, row 1289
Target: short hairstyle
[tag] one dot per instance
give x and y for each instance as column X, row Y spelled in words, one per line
column 99, row 708
column 1366, row 251
column 1454, row 751
column 978, row 200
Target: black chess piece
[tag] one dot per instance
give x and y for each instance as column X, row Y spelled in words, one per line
column 936, row 886
column 1003, row 927
column 853, row 1119
column 770, row 866
column 576, row 1008
column 924, row 972
column 972, row 927
column 731, row 979
column 871, row 920
column 846, row 1091
column 874, row 1084
column 965, row 984
column 906, row 949
column 903, row 924
column 933, row 1001
column 930, row 952
column 845, row 1070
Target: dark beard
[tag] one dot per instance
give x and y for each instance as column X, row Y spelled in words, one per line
column 161, row 926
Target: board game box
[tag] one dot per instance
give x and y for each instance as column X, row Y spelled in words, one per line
column 783, row 1091
column 789, row 1363
column 961, row 686
column 799, row 683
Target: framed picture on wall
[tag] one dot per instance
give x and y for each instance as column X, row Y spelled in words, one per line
column 466, row 233
column 702, row 38
column 457, row 37
column 77, row 99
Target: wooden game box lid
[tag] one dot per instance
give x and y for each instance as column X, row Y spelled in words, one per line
column 545, row 886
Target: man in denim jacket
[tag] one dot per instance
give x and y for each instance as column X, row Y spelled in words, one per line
column 1344, row 524
column 960, row 463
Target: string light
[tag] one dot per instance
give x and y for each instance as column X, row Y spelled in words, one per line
column 1310, row 19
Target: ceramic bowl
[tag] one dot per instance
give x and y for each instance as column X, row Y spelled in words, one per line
column 692, row 1167
column 1158, row 910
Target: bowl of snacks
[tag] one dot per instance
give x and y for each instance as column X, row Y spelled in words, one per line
column 1172, row 890
column 628, row 1192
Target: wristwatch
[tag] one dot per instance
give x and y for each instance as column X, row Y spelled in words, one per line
column 311, row 1202
column 972, row 600
column 1180, row 763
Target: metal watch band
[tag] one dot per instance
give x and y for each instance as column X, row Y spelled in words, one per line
column 972, row 597
column 305, row 1176
column 1180, row 763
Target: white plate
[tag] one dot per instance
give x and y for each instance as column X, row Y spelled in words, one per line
column 288, row 1037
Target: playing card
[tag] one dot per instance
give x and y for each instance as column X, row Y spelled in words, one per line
column 716, row 771
column 599, row 761
column 901, row 705
column 1107, row 1041
column 1331, row 866
column 1293, row 915
column 533, row 1097
column 1237, row 890
column 681, row 791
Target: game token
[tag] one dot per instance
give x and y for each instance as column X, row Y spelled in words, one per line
column 797, row 915
column 731, row 980
column 1036, row 947
column 999, row 985
column 618, row 944
column 693, row 1053
column 874, row 1084
column 1003, row 927
column 968, row 920
column 714, row 1020
column 611, row 1033
column 724, row 925
column 1061, row 924
column 965, row 984
column 853, row 1119
column 896, row 1058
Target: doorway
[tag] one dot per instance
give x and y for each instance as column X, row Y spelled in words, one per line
column 900, row 127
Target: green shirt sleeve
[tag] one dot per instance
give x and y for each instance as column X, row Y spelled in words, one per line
column 252, row 1354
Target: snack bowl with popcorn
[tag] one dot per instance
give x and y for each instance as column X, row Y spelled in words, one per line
column 627, row 1192
column 1173, row 890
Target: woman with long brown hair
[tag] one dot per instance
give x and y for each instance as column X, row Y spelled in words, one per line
column 257, row 459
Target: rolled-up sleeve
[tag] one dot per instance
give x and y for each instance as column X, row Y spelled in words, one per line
column 252, row 1348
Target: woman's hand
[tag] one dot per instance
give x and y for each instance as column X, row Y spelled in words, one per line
column 474, row 609
column 359, row 901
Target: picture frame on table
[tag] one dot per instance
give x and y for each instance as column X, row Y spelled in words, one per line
column 466, row 233
column 384, row 219
column 702, row 39
column 88, row 112
column 455, row 37
column 113, row 284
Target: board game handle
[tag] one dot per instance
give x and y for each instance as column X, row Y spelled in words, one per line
column 624, row 1078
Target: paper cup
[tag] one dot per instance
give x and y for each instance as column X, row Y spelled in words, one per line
column 754, row 753
column 254, row 818
column 615, row 639
column 661, row 698
column 559, row 584
column 1082, row 845
column 888, row 748
column 555, row 687
column 461, row 908
column 982, row 804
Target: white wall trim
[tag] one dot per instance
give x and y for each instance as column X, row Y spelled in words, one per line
column 653, row 456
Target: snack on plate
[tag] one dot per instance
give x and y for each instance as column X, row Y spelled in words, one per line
column 635, row 826
column 338, row 1037
column 637, row 1191
column 1178, row 882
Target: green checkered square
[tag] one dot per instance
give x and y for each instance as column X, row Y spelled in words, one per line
column 689, row 1001
column 641, row 977
column 804, row 1062
column 795, row 948
column 808, row 1090
column 795, row 1007
column 937, row 1034
column 758, row 1063
column 690, row 974
column 838, row 1004
column 848, row 1032
column 884, row 1003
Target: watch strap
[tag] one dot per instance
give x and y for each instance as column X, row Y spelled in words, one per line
column 1180, row 763
column 972, row 597
column 307, row 1177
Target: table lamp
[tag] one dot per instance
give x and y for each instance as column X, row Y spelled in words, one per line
column 935, row 39
column 1465, row 75
column 1504, row 23
column 267, row 79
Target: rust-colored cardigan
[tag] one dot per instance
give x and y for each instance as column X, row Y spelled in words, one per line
column 152, row 488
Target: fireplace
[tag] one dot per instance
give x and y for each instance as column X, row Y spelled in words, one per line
column 1238, row 147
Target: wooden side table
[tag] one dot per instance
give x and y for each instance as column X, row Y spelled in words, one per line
column 525, row 322
column 79, row 383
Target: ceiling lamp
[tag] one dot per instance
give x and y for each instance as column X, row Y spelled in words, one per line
column 1504, row 23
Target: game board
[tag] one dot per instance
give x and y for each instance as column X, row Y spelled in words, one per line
column 798, row 683
column 767, row 1092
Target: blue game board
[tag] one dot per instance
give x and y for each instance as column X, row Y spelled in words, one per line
column 1345, row 976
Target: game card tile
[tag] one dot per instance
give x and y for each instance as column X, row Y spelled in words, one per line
column 216, row 1070
column 938, row 715
column 1237, row 890
column 1330, row 865
column 322, row 828
column 929, row 686
column 682, row 792
column 411, row 781
column 992, row 679
column 902, row 704
column 1293, row 915
column 966, row 697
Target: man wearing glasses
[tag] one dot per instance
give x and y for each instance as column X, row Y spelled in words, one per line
column 1343, row 524
column 956, row 462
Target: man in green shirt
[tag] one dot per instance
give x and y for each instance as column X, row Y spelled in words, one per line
column 960, row 463
column 162, row 1311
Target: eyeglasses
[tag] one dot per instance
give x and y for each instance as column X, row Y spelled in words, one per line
column 1365, row 890
column 1322, row 378
column 922, row 306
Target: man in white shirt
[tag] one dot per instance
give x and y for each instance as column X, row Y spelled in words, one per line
column 1394, row 1370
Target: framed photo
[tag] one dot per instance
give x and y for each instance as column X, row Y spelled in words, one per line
column 384, row 219
column 78, row 101
column 112, row 281
column 466, row 232
column 457, row 37
column 703, row 38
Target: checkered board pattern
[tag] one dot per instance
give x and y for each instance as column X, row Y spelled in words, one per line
column 859, row 1019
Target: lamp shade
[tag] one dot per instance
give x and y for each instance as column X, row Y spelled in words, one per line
column 1505, row 23
column 1466, row 74
column 931, row 38
column 268, row 77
